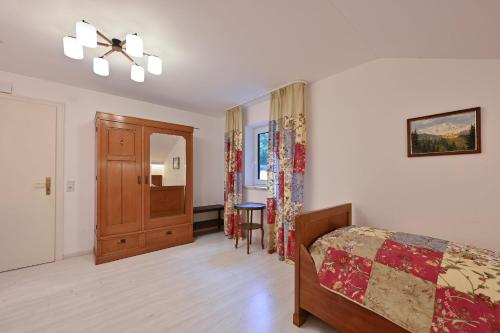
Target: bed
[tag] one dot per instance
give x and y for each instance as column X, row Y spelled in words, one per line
column 350, row 308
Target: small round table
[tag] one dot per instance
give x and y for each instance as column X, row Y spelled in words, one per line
column 248, row 226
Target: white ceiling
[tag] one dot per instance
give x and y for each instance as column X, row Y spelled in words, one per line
column 218, row 53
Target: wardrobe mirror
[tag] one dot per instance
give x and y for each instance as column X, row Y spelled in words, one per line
column 167, row 181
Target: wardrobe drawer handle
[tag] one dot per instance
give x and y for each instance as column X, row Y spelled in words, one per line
column 122, row 241
column 168, row 232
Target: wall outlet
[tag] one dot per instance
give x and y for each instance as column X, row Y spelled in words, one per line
column 70, row 186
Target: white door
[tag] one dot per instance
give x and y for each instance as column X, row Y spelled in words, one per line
column 27, row 185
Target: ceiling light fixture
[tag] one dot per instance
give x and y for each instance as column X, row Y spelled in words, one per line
column 133, row 46
column 137, row 73
column 101, row 66
column 72, row 48
column 86, row 34
column 154, row 65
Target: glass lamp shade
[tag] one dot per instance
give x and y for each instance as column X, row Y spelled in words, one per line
column 101, row 66
column 154, row 65
column 137, row 73
column 86, row 34
column 134, row 45
column 72, row 48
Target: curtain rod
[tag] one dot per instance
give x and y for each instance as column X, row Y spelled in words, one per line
column 267, row 93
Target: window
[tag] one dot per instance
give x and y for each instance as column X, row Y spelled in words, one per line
column 256, row 142
column 261, row 142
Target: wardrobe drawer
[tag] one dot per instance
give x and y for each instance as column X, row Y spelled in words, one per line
column 120, row 244
column 171, row 236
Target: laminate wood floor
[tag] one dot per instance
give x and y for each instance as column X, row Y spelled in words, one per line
column 207, row 286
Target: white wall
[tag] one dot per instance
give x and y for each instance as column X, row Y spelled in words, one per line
column 79, row 153
column 158, row 170
column 357, row 148
column 176, row 177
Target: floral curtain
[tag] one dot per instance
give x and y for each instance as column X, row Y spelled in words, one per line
column 286, row 166
column 233, row 177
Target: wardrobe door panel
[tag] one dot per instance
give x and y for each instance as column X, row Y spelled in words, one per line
column 114, row 186
column 121, row 175
column 168, row 158
column 131, row 192
column 121, row 143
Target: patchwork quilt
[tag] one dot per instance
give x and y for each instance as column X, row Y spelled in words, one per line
column 423, row 284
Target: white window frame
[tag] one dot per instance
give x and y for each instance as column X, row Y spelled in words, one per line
column 255, row 159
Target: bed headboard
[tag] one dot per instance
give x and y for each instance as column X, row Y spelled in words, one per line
column 311, row 225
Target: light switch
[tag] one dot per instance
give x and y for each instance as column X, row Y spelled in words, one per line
column 70, row 186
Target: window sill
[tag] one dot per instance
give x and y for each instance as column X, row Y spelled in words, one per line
column 256, row 187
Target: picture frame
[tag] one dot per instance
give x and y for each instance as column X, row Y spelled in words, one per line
column 449, row 133
column 176, row 163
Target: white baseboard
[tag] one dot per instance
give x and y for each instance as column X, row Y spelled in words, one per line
column 77, row 254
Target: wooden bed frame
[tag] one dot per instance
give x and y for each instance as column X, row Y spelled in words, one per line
column 311, row 297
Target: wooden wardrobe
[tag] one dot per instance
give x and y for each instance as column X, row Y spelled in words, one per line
column 135, row 215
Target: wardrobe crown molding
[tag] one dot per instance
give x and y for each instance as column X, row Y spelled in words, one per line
column 142, row 122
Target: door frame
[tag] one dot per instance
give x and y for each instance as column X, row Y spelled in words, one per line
column 59, row 181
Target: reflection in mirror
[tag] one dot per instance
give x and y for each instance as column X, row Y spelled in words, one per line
column 167, row 174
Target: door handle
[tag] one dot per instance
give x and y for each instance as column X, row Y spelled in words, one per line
column 47, row 184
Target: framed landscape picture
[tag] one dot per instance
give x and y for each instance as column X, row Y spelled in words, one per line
column 457, row 132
